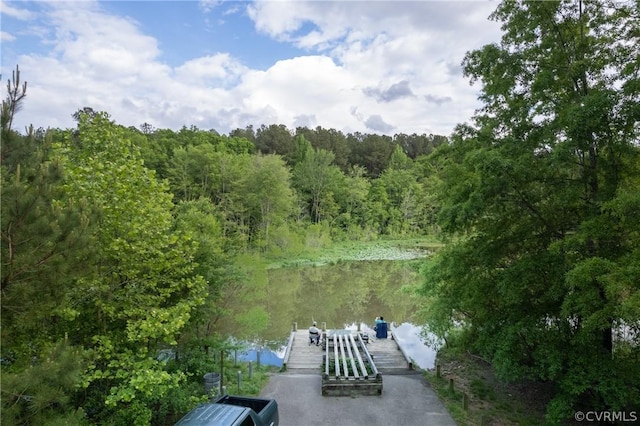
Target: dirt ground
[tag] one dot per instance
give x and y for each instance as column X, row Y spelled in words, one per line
column 490, row 401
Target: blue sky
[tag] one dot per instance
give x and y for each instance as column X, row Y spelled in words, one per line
column 369, row 66
column 189, row 29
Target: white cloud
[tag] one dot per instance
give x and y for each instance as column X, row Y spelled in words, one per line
column 82, row 28
column 216, row 70
column 371, row 67
column 380, row 44
column 6, row 37
column 23, row 14
column 277, row 22
column 208, row 5
column 307, row 85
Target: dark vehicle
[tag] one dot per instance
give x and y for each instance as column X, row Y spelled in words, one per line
column 231, row 410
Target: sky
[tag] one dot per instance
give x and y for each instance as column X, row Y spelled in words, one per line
column 381, row 67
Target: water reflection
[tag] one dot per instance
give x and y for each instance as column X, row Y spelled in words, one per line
column 339, row 295
column 267, row 356
column 408, row 335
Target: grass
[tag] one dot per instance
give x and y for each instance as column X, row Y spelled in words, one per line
column 393, row 249
column 488, row 400
column 249, row 386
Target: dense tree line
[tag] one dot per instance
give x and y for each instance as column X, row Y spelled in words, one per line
column 355, row 184
column 120, row 242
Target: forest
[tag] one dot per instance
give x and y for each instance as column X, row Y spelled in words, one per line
column 126, row 241
column 119, row 242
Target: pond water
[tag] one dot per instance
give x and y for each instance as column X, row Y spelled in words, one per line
column 341, row 295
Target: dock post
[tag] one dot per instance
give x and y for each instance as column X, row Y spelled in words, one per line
column 324, row 326
column 295, row 326
column 221, row 368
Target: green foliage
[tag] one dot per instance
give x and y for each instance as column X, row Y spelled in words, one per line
column 481, row 390
column 275, row 139
column 39, row 393
column 329, row 140
column 96, row 254
column 45, row 242
column 16, row 93
column 341, row 360
column 267, row 197
column 536, row 197
column 403, row 195
column 317, row 179
column 143, row 289
column 318, row 235
column 370, row 151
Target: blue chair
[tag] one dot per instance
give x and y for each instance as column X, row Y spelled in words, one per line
column 381, row 330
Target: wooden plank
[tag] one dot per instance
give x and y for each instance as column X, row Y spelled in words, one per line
column 336, row 357
column 368, row 356
column 287, row 352
column 303, row 357
column 344, row 358
column 389, row 359
column 363, row 369
column 404, row 353
column 350, row 343
column 344, row 383
column 326, row 357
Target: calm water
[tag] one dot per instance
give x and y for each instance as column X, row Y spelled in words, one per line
column 342, row 295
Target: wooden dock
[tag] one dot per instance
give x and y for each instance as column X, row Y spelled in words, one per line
column 302, row 358
column 388, row 356
column 349, row 369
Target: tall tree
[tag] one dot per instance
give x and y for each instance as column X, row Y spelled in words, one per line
column 329, row 140
column 371, row 151
column 246, row 133
column 199, row 221
column 143, row 287
column 416, row 145
column 16, row 93
column 541, row 276
column 44, row 239
column 45, row 246
column 267, row 195
column 156, row 148
column 275, row 139
column 316, row 179
column 404, row 193
column 351, row 196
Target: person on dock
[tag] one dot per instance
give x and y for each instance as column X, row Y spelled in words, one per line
column 314, row 334
column 381, row 328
